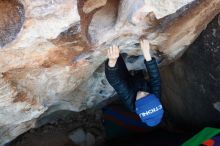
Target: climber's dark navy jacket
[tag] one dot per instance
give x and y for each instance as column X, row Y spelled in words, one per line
column 127, row 85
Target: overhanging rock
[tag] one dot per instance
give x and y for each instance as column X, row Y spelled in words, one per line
column 51, row 50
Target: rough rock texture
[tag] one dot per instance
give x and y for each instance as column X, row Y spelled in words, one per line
column 191, row 85
column 50, row 50
column 12, row 20
column 63, row 128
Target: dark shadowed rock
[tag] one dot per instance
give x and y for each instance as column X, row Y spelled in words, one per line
column 191, row 85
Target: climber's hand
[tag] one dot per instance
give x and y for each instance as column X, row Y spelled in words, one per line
column 113, row 54
column 145, row 47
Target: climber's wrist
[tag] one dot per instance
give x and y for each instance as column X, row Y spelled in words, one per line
column 148, row 57
column 112, row 62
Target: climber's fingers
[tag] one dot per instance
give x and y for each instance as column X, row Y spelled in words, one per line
column 108, row 53
column 145, row 47
column 144, row 44
column 113, row 52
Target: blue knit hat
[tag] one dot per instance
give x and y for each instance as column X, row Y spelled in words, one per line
column 149, row 109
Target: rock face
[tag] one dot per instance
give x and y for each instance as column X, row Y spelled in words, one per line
column 191, row 85
column 12, row 20
column 51, row 52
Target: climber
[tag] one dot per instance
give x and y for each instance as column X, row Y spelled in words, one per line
column 137, row 94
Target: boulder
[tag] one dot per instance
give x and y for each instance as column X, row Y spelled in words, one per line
column 52, row 52
column 78, row 137
column 191, row 87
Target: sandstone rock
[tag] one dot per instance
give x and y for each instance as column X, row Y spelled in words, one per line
column 216, row 105
column 12, row 20
column 91, row 5
column 78, row 137
column 50, row 50
column 90, row 139
column 82, row 138
column 191, row 84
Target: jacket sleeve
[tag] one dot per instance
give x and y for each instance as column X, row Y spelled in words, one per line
column 121, row 86
column 154, row 75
